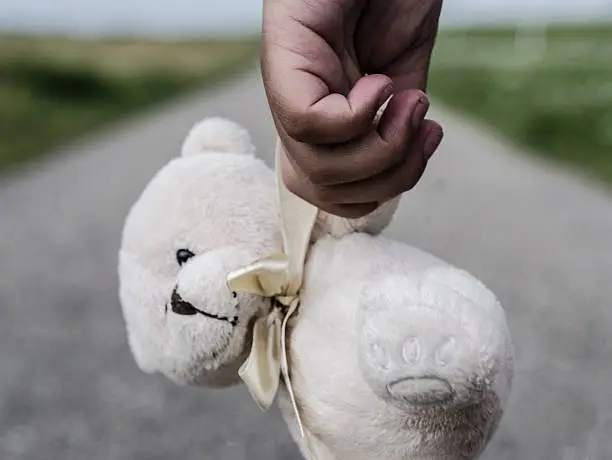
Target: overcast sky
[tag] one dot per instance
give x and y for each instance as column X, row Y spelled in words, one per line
column 230, row 16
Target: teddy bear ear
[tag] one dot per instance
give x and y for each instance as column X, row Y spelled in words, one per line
column 217, row 135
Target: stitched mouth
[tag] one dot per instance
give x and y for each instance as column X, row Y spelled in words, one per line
column 184, row 308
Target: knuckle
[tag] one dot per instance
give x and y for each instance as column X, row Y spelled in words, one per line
column 298, row 130
column 323, row 194
column 318, row 175
column 311, row 166
column 300, row 126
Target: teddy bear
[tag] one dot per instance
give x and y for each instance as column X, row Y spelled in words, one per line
column 388, row 352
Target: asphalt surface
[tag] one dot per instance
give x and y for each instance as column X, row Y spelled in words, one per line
column 69, row 389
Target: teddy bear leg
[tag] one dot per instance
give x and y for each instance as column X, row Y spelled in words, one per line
column 436, row 346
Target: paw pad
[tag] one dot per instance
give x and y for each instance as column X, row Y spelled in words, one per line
column 411, row 350
column 446, row 352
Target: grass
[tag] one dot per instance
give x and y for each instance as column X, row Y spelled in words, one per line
column 547, row 89
column 55, row 89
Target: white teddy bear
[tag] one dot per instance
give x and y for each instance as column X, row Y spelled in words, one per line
column 393, row 354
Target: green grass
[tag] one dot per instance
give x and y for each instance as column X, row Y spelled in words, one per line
column 548, row 90
column 55, row 89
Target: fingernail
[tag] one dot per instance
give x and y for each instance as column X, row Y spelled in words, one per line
column 420, row 111
column 432, row 142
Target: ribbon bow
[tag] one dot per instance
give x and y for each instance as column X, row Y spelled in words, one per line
column 278, row 276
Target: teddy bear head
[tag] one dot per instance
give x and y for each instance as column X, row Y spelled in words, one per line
column 207, row 212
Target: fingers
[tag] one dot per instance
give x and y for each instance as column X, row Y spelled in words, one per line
column 300, row 186
column 356, row 199
column 366, row 156
column 392, row 182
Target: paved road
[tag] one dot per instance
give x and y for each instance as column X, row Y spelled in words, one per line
column 69, row 389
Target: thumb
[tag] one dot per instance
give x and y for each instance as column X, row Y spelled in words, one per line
column 334, row 118
column 344, row 119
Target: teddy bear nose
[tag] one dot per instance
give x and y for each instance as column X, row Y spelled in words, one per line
column 181, row 307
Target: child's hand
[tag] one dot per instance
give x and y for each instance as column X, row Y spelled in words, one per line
column 315, row 54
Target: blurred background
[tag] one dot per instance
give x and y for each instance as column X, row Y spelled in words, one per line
column 95, row 95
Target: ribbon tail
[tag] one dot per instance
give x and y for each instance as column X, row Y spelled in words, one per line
column 262, row 369
column 285, row 365
column 298, row 220
column 285, row 371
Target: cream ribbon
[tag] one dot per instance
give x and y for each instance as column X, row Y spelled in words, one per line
column 278, row 276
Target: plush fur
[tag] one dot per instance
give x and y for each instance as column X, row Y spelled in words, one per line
column 394, row 353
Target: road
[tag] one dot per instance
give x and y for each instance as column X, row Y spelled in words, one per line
column 69, row 389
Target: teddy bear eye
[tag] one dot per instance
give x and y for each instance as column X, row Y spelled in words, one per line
column 183, row 255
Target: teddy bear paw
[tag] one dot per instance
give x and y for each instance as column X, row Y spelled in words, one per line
column 422, row 342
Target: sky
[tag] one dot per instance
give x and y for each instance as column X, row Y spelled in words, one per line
column 213, row 17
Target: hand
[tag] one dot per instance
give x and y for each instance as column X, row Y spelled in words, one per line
column 327, row 67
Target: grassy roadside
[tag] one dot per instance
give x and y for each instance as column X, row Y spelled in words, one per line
column 55, row 89
column 549, row 90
